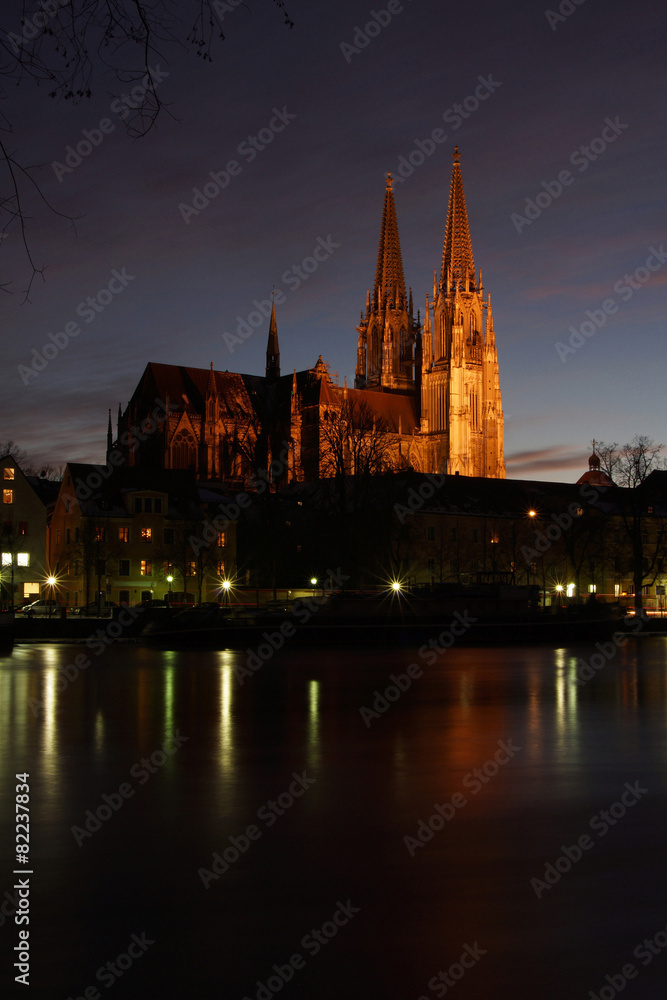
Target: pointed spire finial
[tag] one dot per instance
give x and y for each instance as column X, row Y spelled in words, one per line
column 457, row 155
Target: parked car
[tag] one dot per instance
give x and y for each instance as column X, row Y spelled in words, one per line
column 94, row 610
column 41, row 609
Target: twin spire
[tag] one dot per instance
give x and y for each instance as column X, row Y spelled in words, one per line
column 389, row 280
column 458, row 265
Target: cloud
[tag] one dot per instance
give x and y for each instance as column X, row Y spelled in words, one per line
column 523, row 463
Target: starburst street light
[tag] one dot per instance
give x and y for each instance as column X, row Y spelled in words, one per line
column 225, row 586
column 51, row 582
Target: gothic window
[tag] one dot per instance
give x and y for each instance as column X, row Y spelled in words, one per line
column 183, row 451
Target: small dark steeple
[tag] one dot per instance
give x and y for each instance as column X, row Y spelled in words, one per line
column 272, row 347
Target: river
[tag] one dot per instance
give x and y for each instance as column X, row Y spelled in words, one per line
column 197, row 835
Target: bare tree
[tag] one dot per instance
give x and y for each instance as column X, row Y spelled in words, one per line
column 630, row 466
column 66, row 46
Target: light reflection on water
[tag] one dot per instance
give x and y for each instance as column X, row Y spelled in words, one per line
column 345, row 836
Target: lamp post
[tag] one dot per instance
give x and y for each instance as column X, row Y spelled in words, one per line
column 51, row 581
column 169, row 581
column 225, row 586
column 313, row 583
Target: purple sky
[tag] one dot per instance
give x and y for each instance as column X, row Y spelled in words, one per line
column 553, row 89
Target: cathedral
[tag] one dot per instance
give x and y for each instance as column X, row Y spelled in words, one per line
column 430, row 392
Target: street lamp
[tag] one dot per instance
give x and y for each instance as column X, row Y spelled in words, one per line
column 169, row 581
column 51, row 581
column 313, row 583
column 225, row 586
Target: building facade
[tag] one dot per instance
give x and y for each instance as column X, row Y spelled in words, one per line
column 432, row 393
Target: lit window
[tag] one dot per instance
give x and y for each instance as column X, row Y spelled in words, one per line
column 8, row 473
column 146, row 567
column 99, row 534
column 168, row 569
column 221, row 568
column 23, row 559
column 147, row 534
column 6, row 558
column 580, row 511
column 123, row 534
column 190, row 568
column 8, row 496
column 23, row 527
column 221, row 539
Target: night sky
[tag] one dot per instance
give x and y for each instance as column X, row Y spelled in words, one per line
column 581, row 92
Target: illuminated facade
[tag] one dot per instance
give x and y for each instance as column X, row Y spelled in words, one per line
column 433, row 393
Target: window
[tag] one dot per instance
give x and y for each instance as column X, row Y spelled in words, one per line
column 123, row 567
column 221, row 567
column 123, row 597
column 183, row 451
column 157, row 506
column 23, row 527
column 650, row 509
column 533, row 568
column 137, row 505
column 148, row 506
column 67, row 535
column 6, row 558
column 23, row 559
column 57, row 536
column 221, row 539
column 168, row 569
column 123, row 534
column 8, row 473
column 147, row 534
column 168, row 536
column 190, row 568
column 430, row 534
column 8, row 496
column 7, row 527
column 146, row 567
column 99, row 534
column 580, row 511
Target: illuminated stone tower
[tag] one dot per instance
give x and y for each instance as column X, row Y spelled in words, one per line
column 461, row 407
column 387, row 333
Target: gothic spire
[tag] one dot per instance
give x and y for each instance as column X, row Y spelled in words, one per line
column 389, row 280
column 272, row 347
column 457, row 258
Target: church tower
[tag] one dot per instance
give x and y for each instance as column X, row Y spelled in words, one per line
column 461, row 408
column 387, row 331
